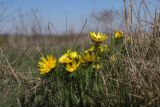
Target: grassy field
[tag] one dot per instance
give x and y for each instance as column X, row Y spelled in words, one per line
column 132, row 80
column 122, row 71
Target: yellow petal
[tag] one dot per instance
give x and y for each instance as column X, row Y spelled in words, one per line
column 64, row 59
column 44, row 59
column 70, row 67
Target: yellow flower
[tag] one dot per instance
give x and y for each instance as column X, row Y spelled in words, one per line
column 68, row 57
column 71, row 60
column 71, row 67
column 65, row 59
column 118, row 34
column 88, row 56
column 73, row 54
column 113, row 59
column 47, row 64
column 97, row 37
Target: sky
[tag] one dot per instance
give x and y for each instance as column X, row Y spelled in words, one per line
column 53, row 11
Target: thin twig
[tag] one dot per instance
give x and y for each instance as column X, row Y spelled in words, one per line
column 66, row 31
column 35, row 86
column 151, row 23
column 19, row 103
column 39, row 29
column 80, row 33
column 10, row 67
column 53, row 37
column 40, row 51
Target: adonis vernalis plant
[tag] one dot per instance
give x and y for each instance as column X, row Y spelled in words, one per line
column 86, row 77
column 97, row 37
column 47, row 64
column 118, row 34
column 71, row 60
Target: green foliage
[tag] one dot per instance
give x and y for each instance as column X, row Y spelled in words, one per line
column 123, row 81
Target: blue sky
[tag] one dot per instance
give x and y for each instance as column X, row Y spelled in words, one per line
column 74, row 7
column 54, row 10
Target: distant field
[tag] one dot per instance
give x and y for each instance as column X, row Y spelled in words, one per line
column 22, row 41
